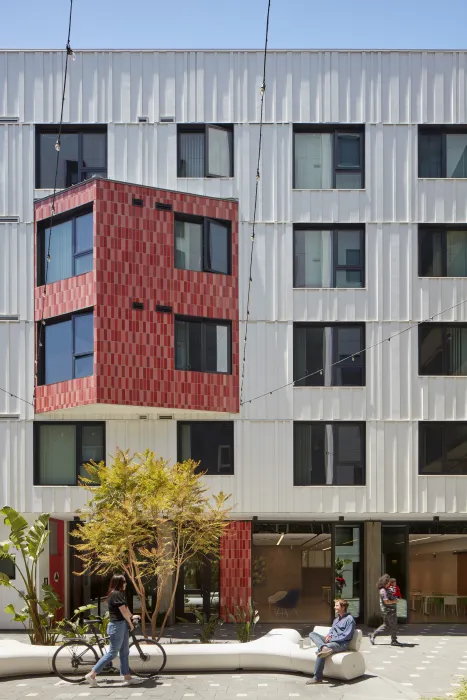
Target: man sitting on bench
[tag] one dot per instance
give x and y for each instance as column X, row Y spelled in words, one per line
column 338, row 638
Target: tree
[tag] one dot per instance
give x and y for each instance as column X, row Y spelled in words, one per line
column 27, row 543
column 148, row 518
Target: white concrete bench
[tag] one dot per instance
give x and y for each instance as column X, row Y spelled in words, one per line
column 279, row 650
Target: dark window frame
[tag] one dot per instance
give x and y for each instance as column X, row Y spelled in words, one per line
column 424, row 426
column 444, row 327
column 205, row 222
column 204, row 128
column 212, row 423
column 443, row 131
column 204, row 322
column 335, row 229
column 424, row 229
column 336, row 130
column 79, row 425
column 78, row 129
column 52, row 322
column 362, row 427
column 335, row 357
column 42, row 240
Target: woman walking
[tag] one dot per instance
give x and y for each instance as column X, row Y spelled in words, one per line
column 118, row 630
column 388, row 607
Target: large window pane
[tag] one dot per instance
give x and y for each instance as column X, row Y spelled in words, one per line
column 430, row 155
column 456, row 156
column 83, row 263
column 83, row 233
column 455, row 439
column 188, row 245
column 309, row 355
column 348, row 151
column 348, row 344
column 394, row 562
column 348, row 569
column 84, row 333
column 309, row 454
column 61, row 252
column 191, row 156
column 219, row 151
column 57, row 455
column 328, row 453
column 348, row 180
column 431, row 349
column 58, row 352
column 94, row 150
column 92, row 446
column 456, row 253
column 202, row 346
column 443, row 349
column 430, row 250
column 313, row 161
column 67, row 162
column 328, row 258
column 217, row 247
column 210, row 443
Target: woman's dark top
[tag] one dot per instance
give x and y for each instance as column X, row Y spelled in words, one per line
column 115, row 600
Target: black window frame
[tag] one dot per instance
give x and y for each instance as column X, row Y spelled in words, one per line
column 443, row 229
column 204, row 128
column 213, row 424
column 443, row 131
column 79, row 425
column 78, row 129
column 205, row 322
column 336, row 130
column 335, row 230
column 445, row 426
column 206, row 222
column 334, row 354
column 42, row 240
column 362, row 427
column 42, row 335
column 445, row 328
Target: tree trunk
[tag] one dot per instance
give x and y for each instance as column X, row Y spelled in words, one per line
column 172, row 601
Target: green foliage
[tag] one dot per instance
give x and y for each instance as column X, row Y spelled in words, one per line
column 258, row 571
column 461, row 693
column 75, row 627
column 245, row 618
column 99, row 625
column 339, row 565
column 207, row 626
column 24, row 546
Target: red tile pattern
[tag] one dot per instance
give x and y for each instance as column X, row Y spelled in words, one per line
column 235, row 566
column 134, row 261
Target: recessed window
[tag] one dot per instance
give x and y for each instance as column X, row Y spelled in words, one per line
column 83, row 153
column 202, row 345
column 205, row 150
column 68, row 351
column 442, row 252
column 318, row 346
column 329, row 453
column 328, row 157
column 442, row 448
column 442, row 349
column 202, row 244
column 70, row 242
column 329, row 257
column 8, row 567
column 61, row 449
column 442, row 152
column 207, row 442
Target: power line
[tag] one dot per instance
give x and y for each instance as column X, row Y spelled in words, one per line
column 258, row 176
column 351, row 357
column 40, row 334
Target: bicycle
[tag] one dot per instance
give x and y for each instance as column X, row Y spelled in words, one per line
column 76, row 657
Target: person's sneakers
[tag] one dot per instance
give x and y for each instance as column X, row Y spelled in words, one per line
column 92, row 681
column 313, row 681
column 133, row 681
column 396, row 644
column 325, row 651
column 372, row 639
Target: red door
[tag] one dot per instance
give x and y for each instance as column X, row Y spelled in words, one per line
column 57, row 560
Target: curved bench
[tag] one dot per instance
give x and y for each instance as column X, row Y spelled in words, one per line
column 279, row 650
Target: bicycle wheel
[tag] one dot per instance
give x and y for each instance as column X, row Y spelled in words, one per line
column 73, row 660
column 147, row 657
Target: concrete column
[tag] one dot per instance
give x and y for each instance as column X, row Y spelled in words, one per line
column 372, row 568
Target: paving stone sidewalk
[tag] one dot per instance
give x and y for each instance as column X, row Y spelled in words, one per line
column 432, row 664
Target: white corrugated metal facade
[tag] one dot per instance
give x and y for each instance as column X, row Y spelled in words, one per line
column 391, row 92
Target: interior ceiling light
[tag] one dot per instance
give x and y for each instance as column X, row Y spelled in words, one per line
column 280, row 538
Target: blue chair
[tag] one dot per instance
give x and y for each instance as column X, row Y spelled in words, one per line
column 288, row 602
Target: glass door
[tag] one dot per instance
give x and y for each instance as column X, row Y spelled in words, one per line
column 198, row 588
column 348, row 567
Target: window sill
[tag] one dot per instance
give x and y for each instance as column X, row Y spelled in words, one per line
column 328, row 189
column 339, row 486
column 442, row 376
column 358, row 386
column 332, row 289
column 447, row 277
column 57, row 486
column 444, row 475
column 452, row 179
column 205, row 177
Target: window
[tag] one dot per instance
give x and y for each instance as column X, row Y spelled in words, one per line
column 8, row 567
column 71, row 248
column 442, row 349
column 328, row 157
column 207, row 442
column 318, row 346
column 61, row 449
column 202, row 345
column 442, row 152
column 202, row 244
column 442, row 252
column 205, row 150
column 83, row 153
column 329, row 453
column 68, row 348
column 442, row 448
column 329, row 258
